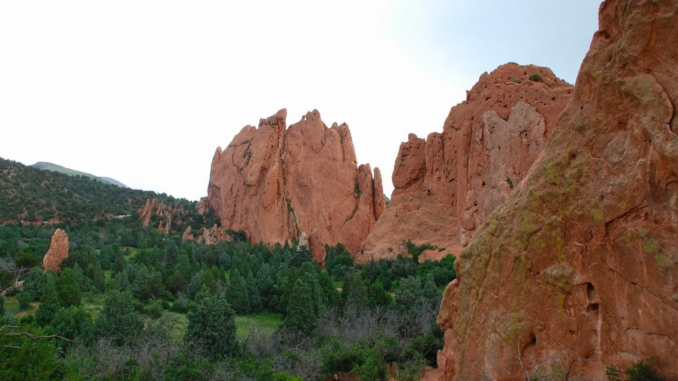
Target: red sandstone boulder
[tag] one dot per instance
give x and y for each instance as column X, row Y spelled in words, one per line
column 578, row 267
column 275, row 183
column 447, row 185
column 58, row 251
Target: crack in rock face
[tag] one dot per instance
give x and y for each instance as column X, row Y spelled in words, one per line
column 580, row 262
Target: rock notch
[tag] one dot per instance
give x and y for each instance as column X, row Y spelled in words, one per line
column 579, row 266
column 447, row 185
column 58, row 251
column 275, row 183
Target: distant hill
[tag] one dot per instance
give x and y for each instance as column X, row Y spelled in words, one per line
column 72, row 172
column 32, row 195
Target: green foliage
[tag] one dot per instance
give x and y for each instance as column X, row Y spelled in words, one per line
column 516, row 80
column 535, row 78
column 643, row 370
column 301, row 316
column 253, row 291
column 211, row 326
column 98, row 279
column 510, row 182
column 2, row 305
column 49, row 305
column 72, row 323
column 237, row 294
column 68, row 288
column 355, row 291
column 357, row 190
column 118, row 320
column 22, row 358
column 415, row 250
column 378, row 296
column 25, row 298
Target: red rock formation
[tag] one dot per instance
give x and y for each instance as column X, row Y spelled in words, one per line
column 163, row 211
column 58, row 251
column 581, row 262
column 447, row 185
column 275, row 182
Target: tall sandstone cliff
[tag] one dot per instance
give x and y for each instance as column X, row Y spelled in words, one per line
column 275, row 183
column 581, row 262
column 447, row 185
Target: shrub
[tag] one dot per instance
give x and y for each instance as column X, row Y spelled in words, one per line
column 25, row 298
column 211, row 326
column 535, row 78
column 643, row 370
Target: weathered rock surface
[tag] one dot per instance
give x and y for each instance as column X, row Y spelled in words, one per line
column 275, row 183
column 447, row 185
column 581, row 262
column 209, row 236
column 58, row 251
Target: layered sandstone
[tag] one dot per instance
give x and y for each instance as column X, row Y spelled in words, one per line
column 579, row 267
column 447, row 185
column 58, row 251
column 275, row 183
column 207, row 236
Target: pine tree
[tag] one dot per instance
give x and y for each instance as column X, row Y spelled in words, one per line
column 99, row 282
column 378, row 296
column 331, row 297
column 73, row 322
column 118, row 320
column 355, row 291
column 49, row 305
column 300, row 314
column 34, row 283
column 255, row 298
column 237, row 294
column 69, row 291
column 171, row 254
column 430, row 294
column 211, row 326
column 83, row 281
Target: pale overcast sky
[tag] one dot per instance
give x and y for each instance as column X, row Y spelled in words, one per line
column 144, row 91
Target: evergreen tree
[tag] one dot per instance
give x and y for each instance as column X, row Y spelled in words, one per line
column 24, row 298
column 73, row 322
column 209, row 281
column 49, row 305
column 300, row 314
column 2, row 305
column 175, row 282
column 237, row 294
column 34, row 283
column 301, row 256
column 265, row 282
column 378, row 296
column 69, row 291
column 194, row 285
column 99, row 282
column 355, row 291
column 430, row 294
column 118, row 264
column 171, row 254
column 184, row 267
column 211, row 326
column 255, row 298
column 106, row 257
column 122, row 280
column 118, row 320
column 83, row 281
column 330, row 294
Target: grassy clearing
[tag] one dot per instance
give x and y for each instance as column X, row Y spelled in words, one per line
column 264, row 322
column 92, row 304
column 12, row 308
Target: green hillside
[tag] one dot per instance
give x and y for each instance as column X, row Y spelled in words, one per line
column 31, row 195
column 72, row 172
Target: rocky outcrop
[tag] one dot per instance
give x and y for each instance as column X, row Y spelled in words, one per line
column 275, row 183
column 209, row 236
column 579, row 266
column 162, row 212
column 58, row 251
column 447, row 185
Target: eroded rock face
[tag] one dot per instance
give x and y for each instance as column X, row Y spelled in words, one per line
column 58, row 251
column 275, row 183
column 447, row 185
column 580, row 263
column 164, row 213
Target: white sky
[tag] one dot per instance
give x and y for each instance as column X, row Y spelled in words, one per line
column 144, row 91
